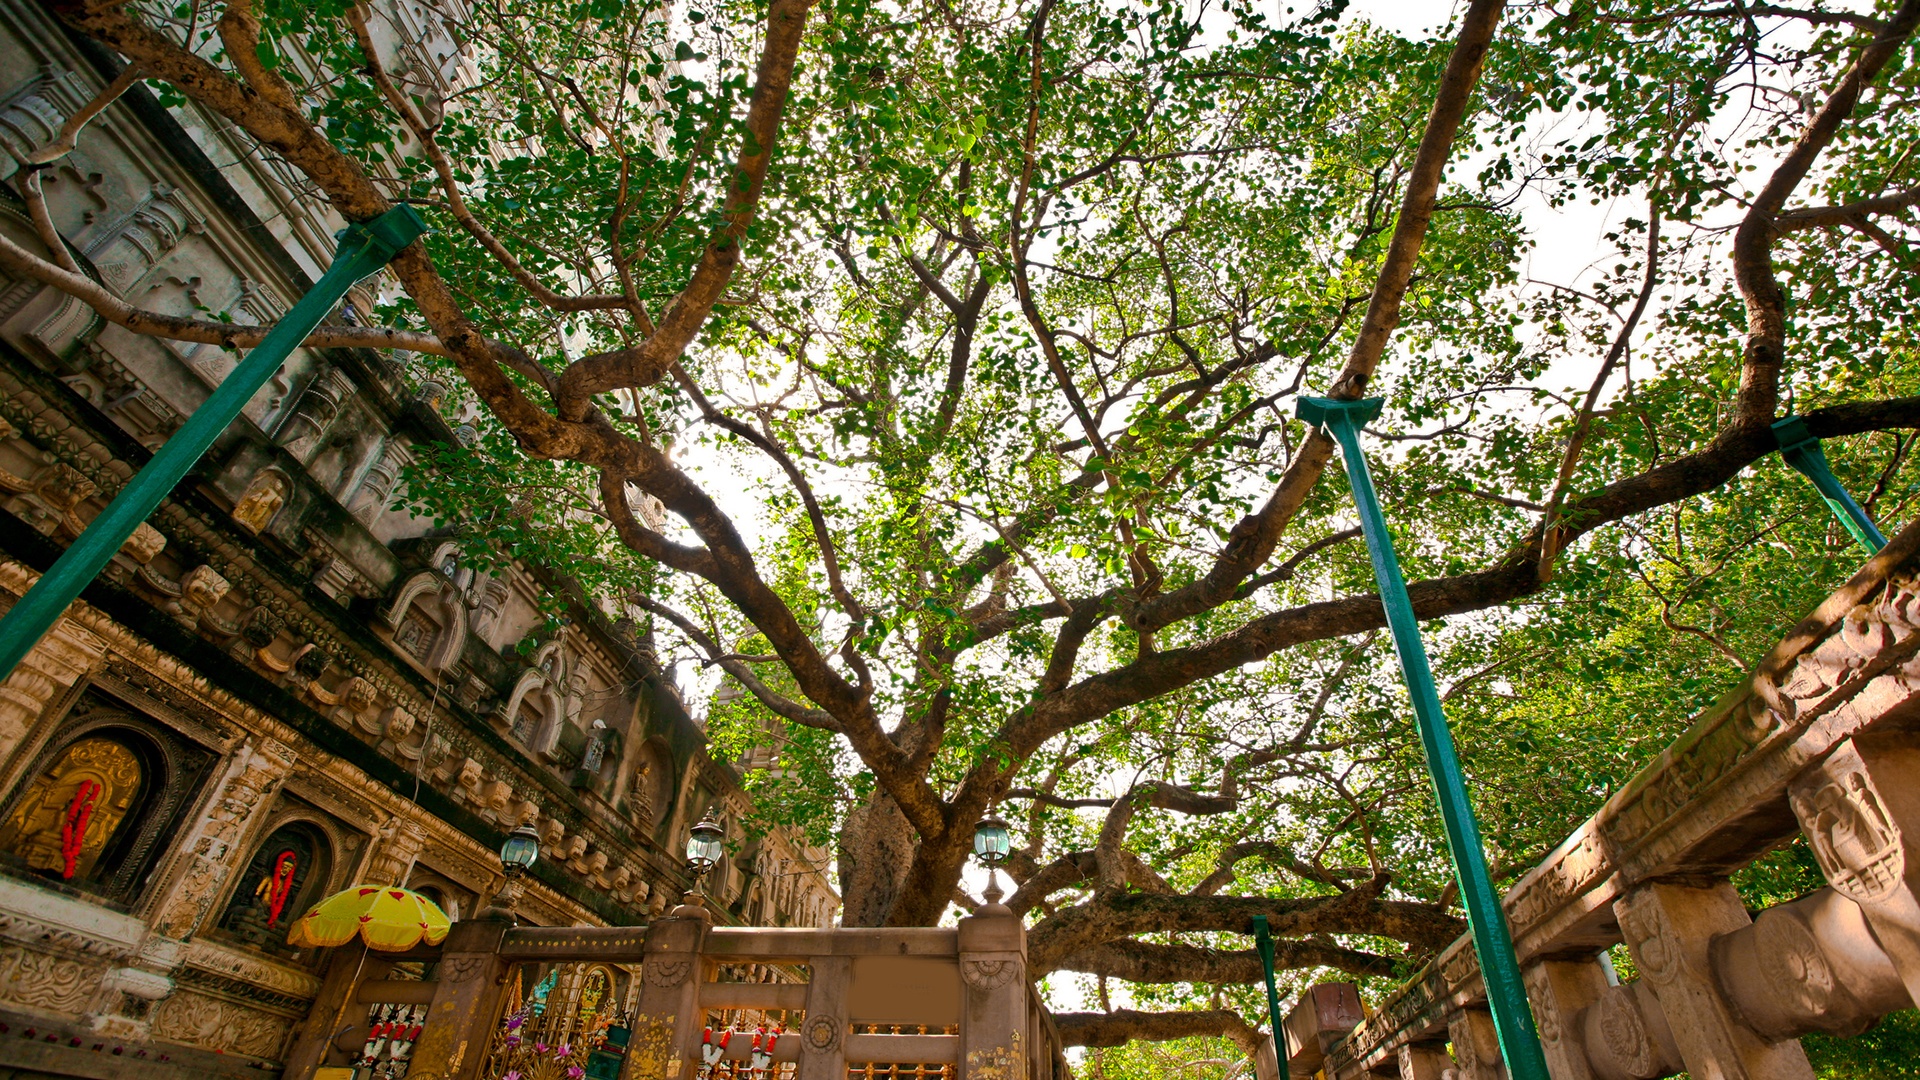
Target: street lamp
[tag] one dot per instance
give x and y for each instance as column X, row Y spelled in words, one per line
column 518, row 853
column 520, row 850
column 992, row 843
column 703, row 847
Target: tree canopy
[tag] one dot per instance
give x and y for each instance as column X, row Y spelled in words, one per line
column 926, row 367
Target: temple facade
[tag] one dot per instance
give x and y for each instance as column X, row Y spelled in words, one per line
column 283, row 685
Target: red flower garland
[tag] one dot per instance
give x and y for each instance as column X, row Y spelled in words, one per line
column 280, row 885
column 73, row 830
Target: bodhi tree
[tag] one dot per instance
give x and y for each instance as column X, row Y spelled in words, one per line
column 923, row 369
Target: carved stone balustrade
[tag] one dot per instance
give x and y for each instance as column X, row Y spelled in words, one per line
column 910, row 998
column 1821, row 740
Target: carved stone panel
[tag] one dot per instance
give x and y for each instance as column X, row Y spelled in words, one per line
column 1857, row 808
column 42, row 982
column 223, row 1026
column 212, row 850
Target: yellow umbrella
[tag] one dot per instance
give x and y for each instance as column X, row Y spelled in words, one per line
column 387, row 917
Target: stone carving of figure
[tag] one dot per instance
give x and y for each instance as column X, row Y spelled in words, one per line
column 643, row 792
column 1857, row 847
column 265, row 494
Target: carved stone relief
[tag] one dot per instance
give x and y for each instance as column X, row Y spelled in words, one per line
column 213, row 850
column 212, row 1024
column 264, row 496
column 44, row 982
column 990, row 973
column 1852, row 837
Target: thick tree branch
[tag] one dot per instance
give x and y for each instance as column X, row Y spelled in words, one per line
column 1122, row 1026
column 1765, row 351
column 1111, row 916
column 1144, row 962
column 648, row 362
column 1254, row 537
column 20, row 262
column 1822, row 217
column 1516, row 576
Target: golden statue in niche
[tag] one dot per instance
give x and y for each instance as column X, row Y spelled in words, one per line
column 69, row 812
column 256, row 506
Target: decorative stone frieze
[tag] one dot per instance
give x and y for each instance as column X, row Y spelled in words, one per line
column 228, row 1027
column 47, row 672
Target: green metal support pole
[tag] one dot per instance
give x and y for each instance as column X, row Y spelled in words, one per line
column 1802, row 451
column 1492, row 940
column 363, row 250
column 1263, row 941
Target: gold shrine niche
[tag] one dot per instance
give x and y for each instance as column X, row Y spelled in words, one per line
column 70, row 813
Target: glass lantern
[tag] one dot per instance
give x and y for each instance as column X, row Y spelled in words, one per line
column 520, row 851
column 991, row 841
column 703, row 844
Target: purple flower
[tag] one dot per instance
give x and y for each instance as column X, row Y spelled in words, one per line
column 511, row 1074
column 538, row 1048
column 514, row 1021
column 575, row 1072
column 513, row 1040
column 562, row 1050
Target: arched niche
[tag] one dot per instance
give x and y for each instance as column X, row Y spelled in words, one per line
column 100, row 804
column 445, row 559
column 554, row 660
column 534, row 711
column 456, row 899
column 650, row 785
column 289, row 871
column 428, row 620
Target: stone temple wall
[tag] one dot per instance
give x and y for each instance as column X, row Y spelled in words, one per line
column 279, row 662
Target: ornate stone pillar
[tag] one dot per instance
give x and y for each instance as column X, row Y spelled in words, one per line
column 467, row 1001
column 47, row 673
column 1476, row 1046
column 302, row 432
column 823, row 1043
column 1558, row 991
column 1670, row 931
column 666, row 1029
column 394, row 852
column 1423, row 1061
column 370, row 501
column 213, row 848
column 1856, row 808
column 994, row 1040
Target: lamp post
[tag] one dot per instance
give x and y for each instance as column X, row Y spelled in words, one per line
column 703, row 854
column 518, row 853
column 992, row 843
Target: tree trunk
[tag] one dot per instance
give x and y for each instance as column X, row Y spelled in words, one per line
column 876, row 848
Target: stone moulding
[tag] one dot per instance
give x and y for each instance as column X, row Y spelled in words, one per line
column 1714, row 800
column 61, row 926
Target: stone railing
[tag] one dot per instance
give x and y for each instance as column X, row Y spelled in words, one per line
column 1819, row 740
column 930, row 1002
